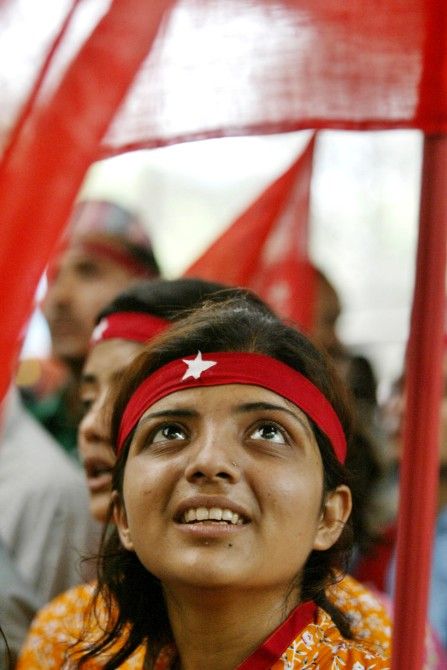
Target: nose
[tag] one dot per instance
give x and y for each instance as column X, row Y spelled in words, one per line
column 214, row 459
column 93, row 426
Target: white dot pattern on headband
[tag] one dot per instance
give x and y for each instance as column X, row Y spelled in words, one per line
column 99, row 330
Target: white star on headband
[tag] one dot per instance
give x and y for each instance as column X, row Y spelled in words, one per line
column 196, row 366
column 99, row 330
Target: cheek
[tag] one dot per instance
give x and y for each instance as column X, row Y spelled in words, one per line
column 292, row 510
column 293, row 498
column 92, row 301
column 47, row 304
column 143, row 495
column 99, row 506
column 305, row 494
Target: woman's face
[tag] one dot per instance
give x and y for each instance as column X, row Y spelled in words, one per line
column 104, row 363
column 223, row 487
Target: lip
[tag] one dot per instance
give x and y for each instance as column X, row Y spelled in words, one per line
column 98, row 481
column 210, row 529
column 210, row 501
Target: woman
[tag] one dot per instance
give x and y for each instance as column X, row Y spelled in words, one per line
column 130, row 320
column 133, row 318
column 122, row 328
column 230, row 497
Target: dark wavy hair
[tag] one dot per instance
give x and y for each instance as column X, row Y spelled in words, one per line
column 172, row 299
column 133, row 596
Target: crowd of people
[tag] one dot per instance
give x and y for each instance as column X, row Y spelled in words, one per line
column 220, row 473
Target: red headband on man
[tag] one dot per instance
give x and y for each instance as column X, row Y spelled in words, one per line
column 235, row 368
column 133, row 326
column 116, row 253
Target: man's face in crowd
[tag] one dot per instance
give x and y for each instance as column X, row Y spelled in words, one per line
column 395, row 414
column 80, row 284
column 327, row 311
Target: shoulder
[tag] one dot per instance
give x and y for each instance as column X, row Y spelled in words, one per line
column 56, row 626
column 367, row 612
column 64, row 614
column 25, row 441
column 66, row 620
column 321, row 645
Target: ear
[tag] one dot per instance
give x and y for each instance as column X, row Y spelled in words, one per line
column 336, row 510
column 120, row 518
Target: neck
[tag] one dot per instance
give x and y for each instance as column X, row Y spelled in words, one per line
column 75, row 366
column 212, row 628
column 72, row 396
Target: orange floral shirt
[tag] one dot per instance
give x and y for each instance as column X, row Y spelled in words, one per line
column 319, row 646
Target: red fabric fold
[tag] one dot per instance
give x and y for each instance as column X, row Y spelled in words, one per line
column 264, row 66
column 266, row 247
column 273, row 648
column 49, row 158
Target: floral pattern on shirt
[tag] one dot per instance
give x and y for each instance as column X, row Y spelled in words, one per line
column 320, row 646
column 369, row 620
column 61, row 623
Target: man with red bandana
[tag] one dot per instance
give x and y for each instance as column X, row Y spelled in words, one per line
column 105, row 250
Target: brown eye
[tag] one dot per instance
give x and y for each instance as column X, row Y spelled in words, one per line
column 87, row 401
column 87, row 269
column 86, row 405
column 270, row 432
column 167, row 432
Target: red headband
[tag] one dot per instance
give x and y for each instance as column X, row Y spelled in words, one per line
column 235, row 368
column 134, row 326
column 117, row 255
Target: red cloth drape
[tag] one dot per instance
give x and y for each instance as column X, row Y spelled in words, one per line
column 221, row 68
column 244, row 66
column 266, row 247
column 420, row 463
column 45, row 165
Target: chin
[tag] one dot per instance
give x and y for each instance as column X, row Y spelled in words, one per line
column 99, row 508
column 206, row 582
column 204, row 574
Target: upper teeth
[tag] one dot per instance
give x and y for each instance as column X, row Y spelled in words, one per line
column 214, row 513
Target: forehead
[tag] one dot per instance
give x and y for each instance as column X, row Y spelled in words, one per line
column 75, row 254
column 224, row 398
column 111, row 356
column 96, row 250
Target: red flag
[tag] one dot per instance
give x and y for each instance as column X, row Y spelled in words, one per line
column 54, row 145
column 242, row 70
column 266, row 248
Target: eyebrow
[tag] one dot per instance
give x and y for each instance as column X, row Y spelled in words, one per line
column 255, row 406
column 244, row 408
column 183, row 413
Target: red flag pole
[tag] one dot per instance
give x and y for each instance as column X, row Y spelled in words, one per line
column 420, row 464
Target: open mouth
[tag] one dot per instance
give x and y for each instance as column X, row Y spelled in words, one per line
column 204, row 515
column 97, row 469
column 98, row 473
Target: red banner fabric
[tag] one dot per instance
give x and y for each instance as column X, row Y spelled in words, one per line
column 49, row 158
column 255, row 66
column 266, row 247
column 420, row 464
column 219, row 68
